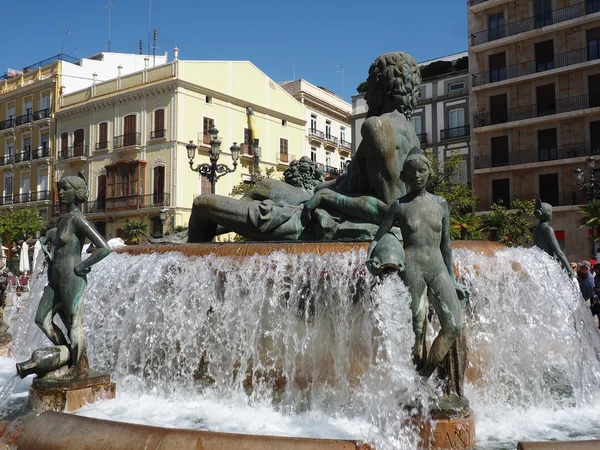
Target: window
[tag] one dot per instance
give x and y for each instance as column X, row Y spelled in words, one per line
column 8, row 187
column 546, row 100
column 129, row 131
column 9, row 153
column 456, row 86
column 64, row 145
column 457, row 122
column 328, row 159
column 246, row 148
column 495, row 26
column 10, row 112
column 43, row 186
column 593, row 43
column 543, row 13
column 594, row 90
column 28, row 108
column 283, row 123
column 328, row 129
column 125, row 185
column 592, row 6
column 283, row 150
column 313, row 154
column 547, row 144
column 102, row 136
column 544, row 56
column 101, row 197
column 343, row 134
column 206, row 126
column 501, row 192
column 497, row 64
column 595, row 136
column 158, row 192
column 25, row 154
column 498, row 109
column 460, row 173
column 313, row 122
column 45, row 101
column 342, row 164
column 44, row 150
column 159, row 124
column 208, row 99
column 78, row 142
column 417, row 121
column 499, row 146
column 25, row 187
column 548, row 184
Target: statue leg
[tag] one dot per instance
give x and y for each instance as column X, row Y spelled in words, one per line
column 418, row 293
column 72, row 315
column 45, row 314
column 447, row 307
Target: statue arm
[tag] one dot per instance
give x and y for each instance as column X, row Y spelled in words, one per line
column 103, row 248
column 556, row 250
column 446, row 248
column 386, row 225
column 50, row 235
column 365, row 208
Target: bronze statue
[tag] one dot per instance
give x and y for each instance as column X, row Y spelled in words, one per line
column 67, row 279
column 544, row 237
column 349, row 207
column 424, row 261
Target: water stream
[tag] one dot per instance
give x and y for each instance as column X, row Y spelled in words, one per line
column 304, row 345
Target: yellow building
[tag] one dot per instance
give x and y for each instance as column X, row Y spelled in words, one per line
column 134, row 130
column 28, row 100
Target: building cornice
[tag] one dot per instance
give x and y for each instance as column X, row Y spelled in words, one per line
column 325, row 108
column 27, row 89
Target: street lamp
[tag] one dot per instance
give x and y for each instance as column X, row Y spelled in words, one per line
column 213, row 171
column 591, row 188
column 256, row 155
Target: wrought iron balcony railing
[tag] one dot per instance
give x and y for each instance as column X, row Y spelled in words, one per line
column 41, row 114
column 456, row 132
column 543, row 108
column 43, row 152
column 565, row 151
column 565, row 198
column 535, row 21
column 23, row 156
column 127, row 140
column 8, row 159
column 73, row 152
column 316, row 133
column 6, row 124
column 102, row 145
column 25, row 118
column 6, row 200
column 21, row 198
column 345, row 144
column 246, row 149
column 157, row 134
column 40, row 196
column 422, row 138
column 528, row 67
column 330, row 138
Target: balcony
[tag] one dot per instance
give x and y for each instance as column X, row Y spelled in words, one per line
column 23, row 157
column 6, row 160
column 127, row 140
column 456, row 132
column 6, row 200
column 24, row 119
column 76, row 151
column 21, row 198
column 422, row 138
column 331, row 139
column 41, row 153
column 544, row 108
column 536, row 21
column 283, row 157
column 538, row 155
column 39, row 196
column 43, row 114
column 7, row 124
column 345, row 145
column 158, row 134
column 527, row 68
column 101, row 146
column 246, row 150
column 316, row 134
column 571, row 197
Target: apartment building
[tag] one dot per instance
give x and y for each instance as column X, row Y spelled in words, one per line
column 28, row 100
column 131, row 134
column 328, row 129
column 441, row 119
column 535, row 105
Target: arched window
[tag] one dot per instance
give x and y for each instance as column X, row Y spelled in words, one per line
column 158, row 191
column 78, row 142
column 159, row 124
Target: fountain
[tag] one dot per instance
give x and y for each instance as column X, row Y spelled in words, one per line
column 297, row 346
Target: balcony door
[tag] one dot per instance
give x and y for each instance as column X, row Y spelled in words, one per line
column 499, row 147
column 129, row 130
column 544, row 56
column 546, row 100
column 595, row 137
column 158, row 194
column 548, row 184
column 101, row 197
column 501, row 192
column 594, row 89
column 543, row 13
column 78, row 142
column 498, row 108
column 64, row 145
column 593, row 43
column 497, row 67
column 456, row 118
column 547, row 147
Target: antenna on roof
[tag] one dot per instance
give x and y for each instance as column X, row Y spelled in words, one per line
column 62, row 49
column 149, row 25
column 341, row 67
column 109, row 7
column 294, row 70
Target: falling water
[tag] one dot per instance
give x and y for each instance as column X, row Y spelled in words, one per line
column 309, row 345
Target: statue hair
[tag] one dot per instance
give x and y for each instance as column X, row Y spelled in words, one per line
column 80, row 185
column 398, row 80
column 545, row 209
column 417, row 155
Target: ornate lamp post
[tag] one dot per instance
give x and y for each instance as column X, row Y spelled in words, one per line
column 591, row 188
column 213, row 171
column 256, row 155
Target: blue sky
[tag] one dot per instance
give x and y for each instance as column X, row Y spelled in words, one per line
column 315, row 36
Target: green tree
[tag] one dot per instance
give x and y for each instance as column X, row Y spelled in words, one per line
column 510, row 228
column 135, row 229
column 591, row 218
column 465, row 227
column 243, row 187
column 20, row 224
column 459, row 196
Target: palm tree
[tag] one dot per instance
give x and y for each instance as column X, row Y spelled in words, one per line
column 464, row 224
column 591, row 217
column 135, row 229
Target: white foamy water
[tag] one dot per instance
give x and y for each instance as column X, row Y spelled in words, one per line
column 200, row 344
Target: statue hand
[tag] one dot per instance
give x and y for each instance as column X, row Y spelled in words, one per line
column 81, row 270
column 373, row 266
column 462, row 292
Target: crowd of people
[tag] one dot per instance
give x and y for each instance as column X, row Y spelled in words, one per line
column 588, row 276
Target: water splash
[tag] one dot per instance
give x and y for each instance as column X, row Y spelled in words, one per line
column 308, row 336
